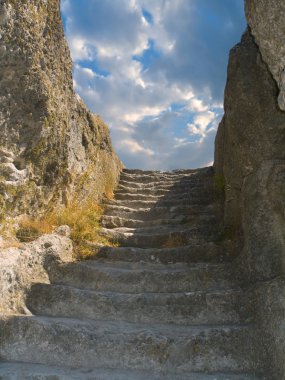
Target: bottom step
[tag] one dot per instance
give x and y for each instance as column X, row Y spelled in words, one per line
column 156, row 347
column 19, row 371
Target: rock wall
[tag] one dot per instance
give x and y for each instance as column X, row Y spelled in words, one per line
column 21, row 267
column 250, row 156
column 51, row 146
column 266, row 19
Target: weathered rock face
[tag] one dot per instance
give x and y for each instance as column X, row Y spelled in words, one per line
column 50, row 144
column 250, row 156
column 253, row 128
column 20, row 267
column 266, row 19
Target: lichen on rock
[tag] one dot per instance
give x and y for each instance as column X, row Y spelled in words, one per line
column 49, row 141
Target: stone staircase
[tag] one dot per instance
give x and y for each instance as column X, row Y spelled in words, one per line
column 163, row 305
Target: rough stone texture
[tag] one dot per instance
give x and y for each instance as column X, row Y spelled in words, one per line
column 20, row 267
column 266, row 19
column 250, row 156
column 141, row 319
column 253, row 127
column 40, row 372
column 51, row 146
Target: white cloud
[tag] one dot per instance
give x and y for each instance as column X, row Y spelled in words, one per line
column 163, row 111
column 196, row 105
column 201, row 123
column 134, row 147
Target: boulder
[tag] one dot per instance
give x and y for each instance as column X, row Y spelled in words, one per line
column 21, row 267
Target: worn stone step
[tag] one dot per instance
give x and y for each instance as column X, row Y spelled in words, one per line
column 192, row 308
column 86, row 343
column 164, row 229
column 195, row 199
column 161, row 176
column 167, row 191
column 131, row 277
column 109, row 221
column 25, row 371
column 203, row 252
column 145, row 176
column 174, row 172
column 170, row 196
column 160, row 237
column 163, row 184
column 158, row 212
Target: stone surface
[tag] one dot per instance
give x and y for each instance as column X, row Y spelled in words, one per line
column 253, row 127
column 20, row 267
column 250, row 161
column 42, row 372
column 143, row 317
column 266, row 19
column 51, row 146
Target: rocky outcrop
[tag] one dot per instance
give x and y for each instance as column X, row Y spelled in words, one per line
column 20, row 267
column 51, row 146
column 266, row 19
column 250, row 158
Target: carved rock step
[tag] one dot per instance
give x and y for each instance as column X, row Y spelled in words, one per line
column 128, row 277
column 195, row 199
column 158, row 212
column 174, row 175
column 167, row 191
column 160, row 237
column 193, row 308
column 203, row 252
column 109, row 221
column 206, row 170
column 78, row 343
column 164, row 184
column 164, row 229
column 170, row 196
column 23, row 371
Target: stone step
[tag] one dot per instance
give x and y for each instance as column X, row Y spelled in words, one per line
column 24, row 371
column 158, row 175
column 193, row 308
column 135, row 204
column 108, row 221
column 131, row 277
column 160, row 237
column 203, row 252
column 158, row 212
column 170, row 172
column 86, row 344
column 163, row 190
column 170, row 196
column 174, row 175
column 164, row 229
column 156, row 183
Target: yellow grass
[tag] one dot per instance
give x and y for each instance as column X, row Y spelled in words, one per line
column 82, row 217
column 175, row 241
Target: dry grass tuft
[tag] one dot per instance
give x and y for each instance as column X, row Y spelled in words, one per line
column 82, row 217
column 175, row 241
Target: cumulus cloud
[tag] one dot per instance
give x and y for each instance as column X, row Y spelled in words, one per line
column 155, row 71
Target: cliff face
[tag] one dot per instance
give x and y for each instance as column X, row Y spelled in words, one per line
column 51, row 146
column 250, row 156
column 266, row 19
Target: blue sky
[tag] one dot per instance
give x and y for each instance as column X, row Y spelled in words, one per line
column 155, row 70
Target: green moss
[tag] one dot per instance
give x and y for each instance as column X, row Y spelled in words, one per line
column 219, row 182
column 2, row 207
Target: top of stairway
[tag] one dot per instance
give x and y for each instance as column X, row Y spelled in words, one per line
column 173, row 172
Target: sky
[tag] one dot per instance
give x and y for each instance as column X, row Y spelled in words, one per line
column 155, row 71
